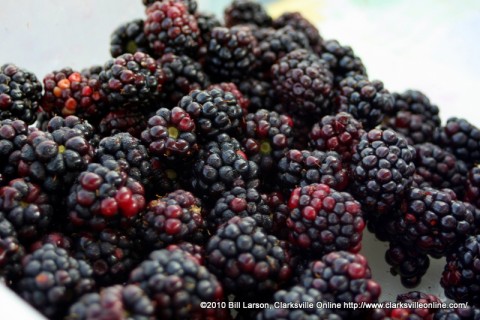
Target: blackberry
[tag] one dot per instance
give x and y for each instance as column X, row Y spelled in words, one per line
column 322, row 220
column 58, row 239
column 342, row 277
column 280, row 212
column 367, row 101
column 131, row 81
column 221, row 165
column 206, row 22
column 382, row 169
column 417, row 103
column 468, row 313
column 52, row 280
column 173, row 218
column 300, row 23
column 299, row 168
column 128, row 121
column 214, row 111
column 191, row 4
column 128, row 38
column 13, row 136
column 182, row 75
column 259, row 93
column 245, row 12
column 247, row 260
column 232, row 87
column 119, row 302
column 461, row 138
column 409, row 313
column 170, row 28
column 340, row 133
column 242, row 203
column 27, row 207
column 472, row 187
column 102, row 195
column 303, row 82
column 414, row 127
column 177, row 284
column 440, row 169
column 407, row 262
column 11, row 252
column 231, row 53
column 197, row 251
column 70, row 122
column 297, row 303
column 168, row 177
column 20, row 94
column 171, row 134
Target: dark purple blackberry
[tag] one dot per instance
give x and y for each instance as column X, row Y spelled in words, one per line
column 322, row 220
column 407, row 262
column 11, row 252
column 299, row 168
column 246, row 12
column 417, row 103
column 128, row 38
column 382, row 169
column 206, row 21
column 191, row 4
column 129, row 121
column 104, row 194
column 173, row 218
column 231, row 53
column 20, row 94
column 168, row 177
column 197, row 251
column 71, row 122
column 409, row 313
column 170, row 28
column 367, row 101
column 468, row 313
column 472, row 187
column 221, row 165
column 414, row 127
column 242, row 203
column 214, row 111
column 232, row 87
column 170, row 134
column 182, row 75
column 342, row 277
column 112, row 255
column 461, row 138
column 52, row 280
column 440, row 169
column 300, row 23
column 13, row 136
column 177, row 284
column 339, row 133
column 259, row 93
column 116, row 302
column 303, row 83
column 132, row 81
column 297, row 303
column 27, row 207
column 248, row 261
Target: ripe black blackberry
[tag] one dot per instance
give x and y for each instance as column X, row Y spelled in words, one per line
column 129, row 121
column 52, row 280
column 170, row 28
column 104, row 195
column 170, row 134
column 440, row 169
column 342, row 277
column 382, row 168
column 128, row 38
column 11, row 252
column 173, row 218
column 245, row 12
column 231, row 53
column 472, row 187
column 119, row 302
column 408, row 313
column 20, row 94
column 461, row 138
column 132, row 81
column 342, row 60
column 182, row 75
column 303, row 83
column 417, row 103
column 221, row 165
column 177, row 284
column 197, row 251
column 13, row 135
column 249, row 262
column 191, row 4
column 300, row 23
column 214, row 111
column 71, row 122
column 469, row 313
column 300, row 296
column 407, row 262
column 414, row 127
column 260, row 94
column 206, row 22
column 232, row 87
column 322, row 220
column 168, row 177
column 300, row 168
column 367, row 101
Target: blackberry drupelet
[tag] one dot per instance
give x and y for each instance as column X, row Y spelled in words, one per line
column 58, row 239
column 242, row 203
column 472, row 187
column 170, row 28
column 52, row 280
column 206, row 21
column 177, row 284
column 367, row 101
column 118, row 302
column 322, row 220
column 461, row 138
column 340, row 133
column 129, row 38
column 249, row 262
column 171, row 134
column 13, row 136
column 191, row 4
column 11, row 252
column 300, row 23
column 342, row 277
column 232, row 87
column 469, row 313
column 71, row 122
column 407, row 262
column 231, row 53
column 300, row 168
column 246, row 12
column 417, row 103
column 197, row 251
column 128, row 121
column 440, row 169
column 20, row 94
column 409, row 313
column 382, row 168
column 303, row 83
column 259, row 93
